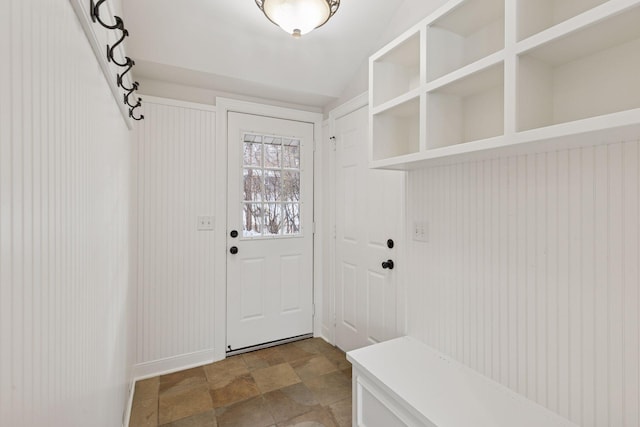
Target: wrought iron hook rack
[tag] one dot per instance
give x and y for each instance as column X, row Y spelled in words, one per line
column 128, row 62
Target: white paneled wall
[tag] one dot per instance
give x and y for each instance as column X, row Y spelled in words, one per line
column 65, row 302
column 175, row 184
column 530, row 275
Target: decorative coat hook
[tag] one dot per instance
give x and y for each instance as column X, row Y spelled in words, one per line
column 95, row 16
column 126, row 100
column 111, row 49
column 134, row 86
column 134, row 117
column 138, row 104
column 129, row 64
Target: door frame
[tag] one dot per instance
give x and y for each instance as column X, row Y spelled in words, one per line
column 223, row 107
column 329, row 328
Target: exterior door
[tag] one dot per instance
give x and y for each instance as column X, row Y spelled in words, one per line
column 369, row 213
column 270, row 236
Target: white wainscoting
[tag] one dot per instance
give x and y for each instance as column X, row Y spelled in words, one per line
column 530, row 275
column 175, row 162
column 66, row 307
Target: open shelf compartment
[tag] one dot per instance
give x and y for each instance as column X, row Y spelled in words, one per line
column 396, row 131
column 535, row 16
column 470, row 31
column 468, row 109
column 588, row 73
column 397, row 71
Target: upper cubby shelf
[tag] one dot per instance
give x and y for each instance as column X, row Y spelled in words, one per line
column 483, row 75
column 397, row 71
column 466, row 110
column 468, row 32
column 587, row 73
column 401, row 124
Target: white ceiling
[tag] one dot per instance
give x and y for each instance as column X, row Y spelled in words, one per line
column 229, row 46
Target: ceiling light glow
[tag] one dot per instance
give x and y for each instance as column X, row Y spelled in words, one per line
column 298, row 17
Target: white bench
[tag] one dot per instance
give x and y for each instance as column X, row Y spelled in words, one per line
column 403, row 382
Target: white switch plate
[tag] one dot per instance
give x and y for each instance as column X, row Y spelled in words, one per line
column 205, row 223
column 421, row 231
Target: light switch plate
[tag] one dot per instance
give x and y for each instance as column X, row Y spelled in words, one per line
column 205, row 223
column 421, row 231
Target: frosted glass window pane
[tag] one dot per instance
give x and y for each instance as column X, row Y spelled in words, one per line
column 291, row 218
column 272, row 219
column 272, row 186
column 291, row 157
column 273, row 154
column 252, row 220
column 252, row 185
column 290, row 186
column 252, row 154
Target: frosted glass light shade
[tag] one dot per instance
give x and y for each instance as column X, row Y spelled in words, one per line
column 298, row 17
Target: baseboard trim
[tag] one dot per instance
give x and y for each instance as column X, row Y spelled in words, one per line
column 127, row 413
column 169, row 365
column 325, row 334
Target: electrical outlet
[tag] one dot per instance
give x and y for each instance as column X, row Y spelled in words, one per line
column 205, row 223
column 421, row 231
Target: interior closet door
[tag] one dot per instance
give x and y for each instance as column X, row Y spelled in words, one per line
column 369, row 228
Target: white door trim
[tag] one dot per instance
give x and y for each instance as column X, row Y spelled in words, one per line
column 223, row 106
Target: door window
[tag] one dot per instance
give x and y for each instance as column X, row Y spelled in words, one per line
column 271, row 186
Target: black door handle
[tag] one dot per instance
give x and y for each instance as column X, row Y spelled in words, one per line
column 233, row 250
column 388, row 264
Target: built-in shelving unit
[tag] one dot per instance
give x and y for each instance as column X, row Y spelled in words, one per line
column 479, row 75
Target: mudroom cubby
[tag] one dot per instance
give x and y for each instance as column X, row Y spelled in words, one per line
column 481, row 75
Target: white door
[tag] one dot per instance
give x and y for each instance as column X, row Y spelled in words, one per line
column 369, row 213
column 270, row 236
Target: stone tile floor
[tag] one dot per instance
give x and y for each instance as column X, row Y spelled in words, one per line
column 305, row 383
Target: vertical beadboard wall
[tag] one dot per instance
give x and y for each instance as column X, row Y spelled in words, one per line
column 175, row 162
column 65, row 300
column 530, row 275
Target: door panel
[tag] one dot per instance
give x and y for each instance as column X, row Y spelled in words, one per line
column 369, row 211
column 250, row 288
column 270, row 204
column 348, row 294
column 349, row 200
column 291, row 273
column 376, row 284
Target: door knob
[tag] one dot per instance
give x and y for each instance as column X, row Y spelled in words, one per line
column 388, row 264
column 233, row 250
column 234, row 233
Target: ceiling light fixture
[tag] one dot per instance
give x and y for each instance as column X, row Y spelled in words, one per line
column 298, row 17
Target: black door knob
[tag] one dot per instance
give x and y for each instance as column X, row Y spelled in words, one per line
column 233, row 250
column 234, row 233
column 388, row 264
